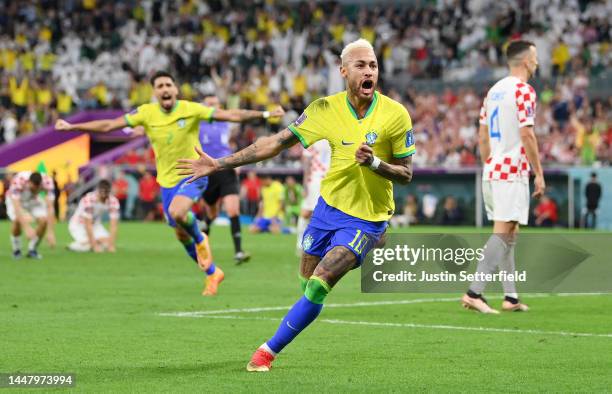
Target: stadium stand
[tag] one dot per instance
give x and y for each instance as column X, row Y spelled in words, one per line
column 57, row 57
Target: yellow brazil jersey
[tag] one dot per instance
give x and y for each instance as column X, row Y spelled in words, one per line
column 173, row 134
column 386, row 127
column 272, row 197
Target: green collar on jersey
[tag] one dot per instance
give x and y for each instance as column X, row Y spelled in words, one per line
column 368, row 112
column 171, row 110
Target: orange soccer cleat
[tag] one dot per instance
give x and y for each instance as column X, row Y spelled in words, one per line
column 203, row 253
column 212, row 282
column 261, row 361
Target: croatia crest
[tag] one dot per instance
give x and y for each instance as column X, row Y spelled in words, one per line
column 371, row 137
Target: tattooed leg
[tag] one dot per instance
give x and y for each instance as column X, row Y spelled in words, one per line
column 307, row 267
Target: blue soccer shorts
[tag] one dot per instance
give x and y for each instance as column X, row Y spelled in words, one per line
column 263, row 224
column 329, row 227
column 192, row 190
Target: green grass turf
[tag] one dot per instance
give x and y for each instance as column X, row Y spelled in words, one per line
column 97, row 315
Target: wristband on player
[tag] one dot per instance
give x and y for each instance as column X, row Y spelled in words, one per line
column 265, row 114
column 375, row 163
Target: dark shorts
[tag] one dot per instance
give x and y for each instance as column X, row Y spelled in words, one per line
column 192, row 190
column 221, row 184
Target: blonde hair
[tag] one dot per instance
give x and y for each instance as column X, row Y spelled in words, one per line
column 360, row 43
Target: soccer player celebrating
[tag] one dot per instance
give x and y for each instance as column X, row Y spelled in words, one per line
column 371, row 141
column 223, row 186
column 507, row 146
column 172, row 126
column 86, row 226
column 25, row 203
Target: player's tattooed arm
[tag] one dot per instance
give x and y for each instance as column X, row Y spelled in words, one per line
column 399, row 170
column 262, row 149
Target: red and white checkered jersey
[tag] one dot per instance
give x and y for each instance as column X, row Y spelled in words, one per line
column 19, row 187
column 91, row 207
column 510, row 104
column 319, row 154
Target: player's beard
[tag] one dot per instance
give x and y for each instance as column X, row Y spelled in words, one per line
column 167, row 104
column 355, row 90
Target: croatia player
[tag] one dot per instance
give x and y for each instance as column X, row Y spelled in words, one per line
column 86, row 226
column 316, row 161
column 25, row 203
column 371, row 142
column 172, row 126
column 508, row 146
column 223, row 186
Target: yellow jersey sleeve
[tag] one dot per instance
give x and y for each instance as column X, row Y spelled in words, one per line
column 402, row 136
column 203, row 112
column 308, row 126
column 137, row 117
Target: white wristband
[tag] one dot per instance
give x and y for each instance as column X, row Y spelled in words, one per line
column 265, row 114
column 375, row 163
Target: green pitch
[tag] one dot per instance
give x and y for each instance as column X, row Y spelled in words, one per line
column 112, row 320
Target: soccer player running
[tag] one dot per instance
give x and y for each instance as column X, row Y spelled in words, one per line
column 25, row 203
column 172, row 126
column 507, row 146
column 223, row 186
column 371, row 140
column 85, row 225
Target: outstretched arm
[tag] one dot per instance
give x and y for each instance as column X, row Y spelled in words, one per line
column 99, row 126
column 242, row 115
column 399, row 170
column 262, row 149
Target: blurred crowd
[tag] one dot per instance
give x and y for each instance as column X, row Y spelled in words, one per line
column 60, row 56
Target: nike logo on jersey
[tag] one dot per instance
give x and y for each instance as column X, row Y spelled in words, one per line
column 347, row 143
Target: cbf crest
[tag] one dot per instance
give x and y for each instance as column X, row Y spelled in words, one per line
column 307, row 242
column 181, row 123
column 371, row 137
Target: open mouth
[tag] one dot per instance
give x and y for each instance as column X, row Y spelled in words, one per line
column 367, row 86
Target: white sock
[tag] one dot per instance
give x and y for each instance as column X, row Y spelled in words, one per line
column 267, row 349
column 507, row 264
column 494, row 252
column 33, row 244
column 16, row 242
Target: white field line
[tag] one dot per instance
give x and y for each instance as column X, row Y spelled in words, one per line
column 415, row 325
column 352, row 305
